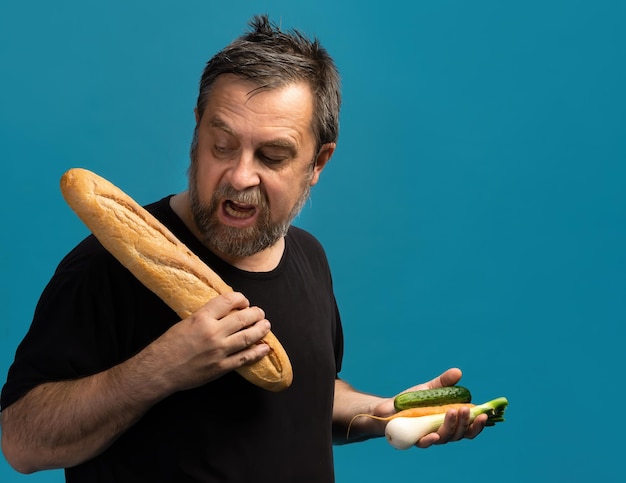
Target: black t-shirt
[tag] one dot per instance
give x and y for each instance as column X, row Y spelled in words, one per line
column 94, row 314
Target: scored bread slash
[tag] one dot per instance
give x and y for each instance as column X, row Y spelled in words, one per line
column 161, row 262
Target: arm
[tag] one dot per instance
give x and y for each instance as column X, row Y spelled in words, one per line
column 349, row 402
column 61, row 424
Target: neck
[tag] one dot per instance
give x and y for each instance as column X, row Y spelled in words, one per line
column 263, row 261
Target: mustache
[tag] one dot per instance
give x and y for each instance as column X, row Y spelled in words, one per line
column 250, row 196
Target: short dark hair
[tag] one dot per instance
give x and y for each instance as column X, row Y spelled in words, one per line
column 272, row 58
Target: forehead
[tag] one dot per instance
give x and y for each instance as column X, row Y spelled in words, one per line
column 237, row 102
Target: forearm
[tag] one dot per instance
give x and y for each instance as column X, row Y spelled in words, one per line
column 62, row 424
column 348, row 403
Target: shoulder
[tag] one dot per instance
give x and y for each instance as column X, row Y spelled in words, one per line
column 302, row 237
column 163, row 212
column 90, row 255
column 89, row 252
column 305, row 250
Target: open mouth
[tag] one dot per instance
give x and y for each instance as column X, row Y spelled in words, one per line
column 239, row 210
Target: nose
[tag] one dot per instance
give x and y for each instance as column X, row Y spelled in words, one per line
column 243, row 173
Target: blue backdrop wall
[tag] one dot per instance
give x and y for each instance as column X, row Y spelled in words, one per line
column 474, row 213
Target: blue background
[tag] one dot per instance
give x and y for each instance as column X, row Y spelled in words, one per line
column 474, row 212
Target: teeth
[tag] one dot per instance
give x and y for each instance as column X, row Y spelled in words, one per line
column 239, row 211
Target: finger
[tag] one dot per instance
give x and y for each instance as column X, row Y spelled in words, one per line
column 249, row 354
column 458, row 425
column 455, row 425
column 450, row 377
column 245, row 353
column 222, row 305
column 242, row 319
column 462, row 424
column 476, row 427
column 248, row 336
column 447, row 431
column 428, row 440
column 447, row 378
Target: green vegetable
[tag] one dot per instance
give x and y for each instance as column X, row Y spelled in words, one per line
column 402, row 433
column 432, row 397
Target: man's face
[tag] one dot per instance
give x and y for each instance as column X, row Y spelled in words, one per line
column 253, row 164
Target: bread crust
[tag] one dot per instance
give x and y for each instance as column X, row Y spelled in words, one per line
column 160, row 261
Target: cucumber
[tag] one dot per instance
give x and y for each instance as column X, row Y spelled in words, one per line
column 432, row 397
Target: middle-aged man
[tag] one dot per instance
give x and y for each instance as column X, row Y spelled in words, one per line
column 112, row 386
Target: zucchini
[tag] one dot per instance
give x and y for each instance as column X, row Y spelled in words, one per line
column 432, row 397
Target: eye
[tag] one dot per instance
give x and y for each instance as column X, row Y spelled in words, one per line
column 271, row 160
column 222, row 150
column 273, row 157
column 223, row 143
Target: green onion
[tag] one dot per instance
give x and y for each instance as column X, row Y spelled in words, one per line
column 402, row 433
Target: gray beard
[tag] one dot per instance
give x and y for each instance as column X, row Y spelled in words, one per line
column 239, row 242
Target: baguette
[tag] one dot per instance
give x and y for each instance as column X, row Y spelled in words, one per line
column 160, row 261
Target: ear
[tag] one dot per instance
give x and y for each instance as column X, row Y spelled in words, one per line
column 195, row 111
column 323, row 156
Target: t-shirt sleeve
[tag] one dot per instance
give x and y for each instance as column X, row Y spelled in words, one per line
column 338, row 342
column 317, row 257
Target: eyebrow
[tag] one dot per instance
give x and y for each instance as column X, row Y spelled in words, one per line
column 218, row 123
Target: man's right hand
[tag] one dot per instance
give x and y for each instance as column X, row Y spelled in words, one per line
column 62, row 424
column 219, row 338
